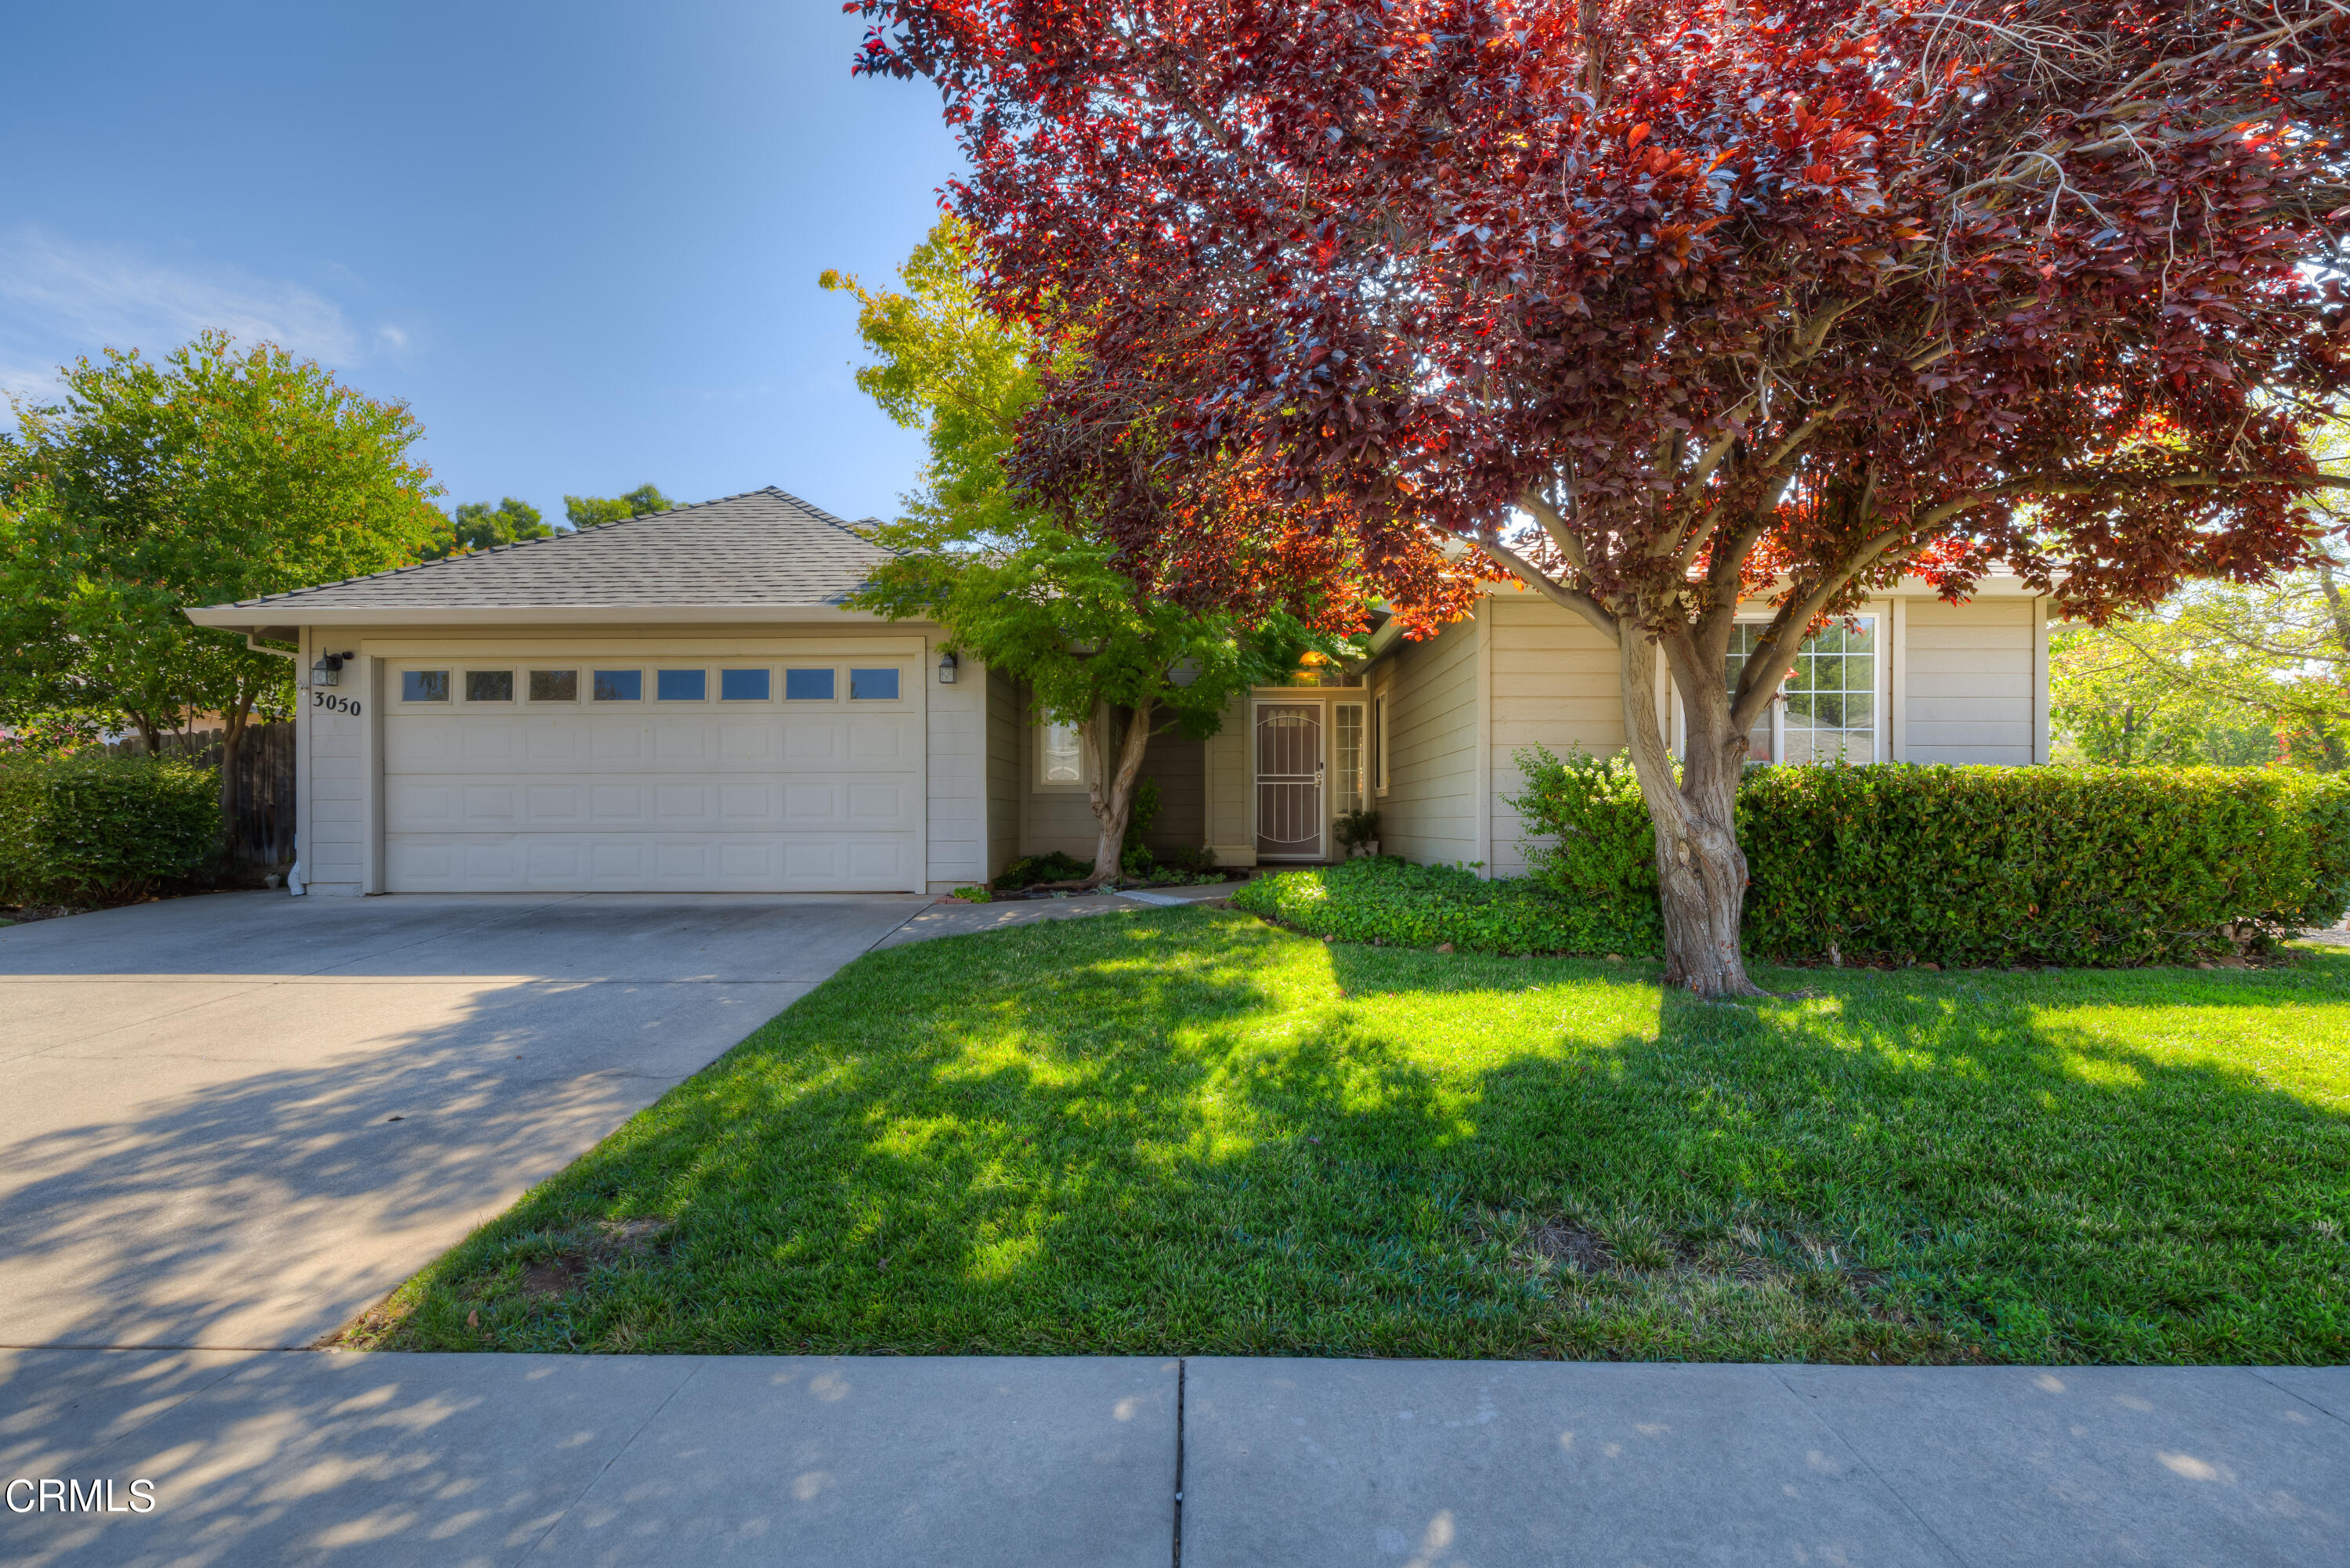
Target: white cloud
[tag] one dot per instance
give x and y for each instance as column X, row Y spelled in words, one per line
column 60, row 299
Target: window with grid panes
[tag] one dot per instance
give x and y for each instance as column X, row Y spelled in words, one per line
column 1831, row 694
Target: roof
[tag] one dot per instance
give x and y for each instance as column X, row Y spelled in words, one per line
column 763, row 549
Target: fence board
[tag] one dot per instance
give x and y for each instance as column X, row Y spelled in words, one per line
column 261, row 809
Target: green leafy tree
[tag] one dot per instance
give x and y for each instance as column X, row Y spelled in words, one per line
column 478, row 526
column 1021, row 589
column 218, row 472
column 593, row 511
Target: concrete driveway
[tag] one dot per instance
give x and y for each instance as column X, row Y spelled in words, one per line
column 236, row 1121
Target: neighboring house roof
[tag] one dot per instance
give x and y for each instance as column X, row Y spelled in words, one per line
column 763, row 549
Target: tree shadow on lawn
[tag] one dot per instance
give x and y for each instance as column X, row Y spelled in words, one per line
column 1191, row 1133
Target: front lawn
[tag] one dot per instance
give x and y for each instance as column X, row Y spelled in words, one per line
column 1188, row 1132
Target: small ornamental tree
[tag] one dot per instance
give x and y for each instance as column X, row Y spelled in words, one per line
column 1661, row 304
column 1026, row 589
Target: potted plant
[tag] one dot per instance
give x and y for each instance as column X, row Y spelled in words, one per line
column 1358, row 833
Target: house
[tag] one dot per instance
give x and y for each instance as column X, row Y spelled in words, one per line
column 679, row 703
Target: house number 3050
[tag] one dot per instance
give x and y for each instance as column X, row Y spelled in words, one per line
column 335, row 704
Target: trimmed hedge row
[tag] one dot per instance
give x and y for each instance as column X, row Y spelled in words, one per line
column 1396, row 904
column 101, row 829
column 1978, row 865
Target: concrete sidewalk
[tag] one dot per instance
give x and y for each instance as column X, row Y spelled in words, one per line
column 297, row 1458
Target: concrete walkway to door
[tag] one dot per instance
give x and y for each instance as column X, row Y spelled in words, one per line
column 237, row 1120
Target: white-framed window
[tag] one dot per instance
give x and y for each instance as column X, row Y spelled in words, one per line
column 1349, row 757
column 1826, row 710
column 618, row 686
column 878, row 683
column 746, row 683
column 424, row 686
column 811, row 683
column 552, row 686
column 489, row 686
column 1060, row 757
column 681, row 684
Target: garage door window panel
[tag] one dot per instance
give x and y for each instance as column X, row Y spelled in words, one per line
column 619, row 686
column 424, row 686
column 873, row 685
column 681, row 685
column 744, row 685
column 808, row 685
column 554, row 686
column 489, row 686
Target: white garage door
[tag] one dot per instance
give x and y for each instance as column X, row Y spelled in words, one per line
column 627, row 774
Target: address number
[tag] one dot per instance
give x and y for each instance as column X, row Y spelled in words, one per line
column 335, row 704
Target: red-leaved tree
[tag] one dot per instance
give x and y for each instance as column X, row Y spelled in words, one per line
column 1659, row 304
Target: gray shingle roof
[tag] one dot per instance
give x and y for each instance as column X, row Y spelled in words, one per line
column 764, row 548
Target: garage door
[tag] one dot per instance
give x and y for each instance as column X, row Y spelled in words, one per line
column 683, row 775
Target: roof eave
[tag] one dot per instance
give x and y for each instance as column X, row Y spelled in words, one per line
column 253, row 617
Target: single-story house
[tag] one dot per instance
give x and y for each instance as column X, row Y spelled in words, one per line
column 679, row 703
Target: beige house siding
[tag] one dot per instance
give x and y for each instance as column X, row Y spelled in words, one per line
column 956, row 750
column 1230, row 830
column 1554, row 685
column 1063, row 819
column 1968, row 686
column 1430, row 810
column 1005, row 726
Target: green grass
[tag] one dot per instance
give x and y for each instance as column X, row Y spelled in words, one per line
column 1189, row 1132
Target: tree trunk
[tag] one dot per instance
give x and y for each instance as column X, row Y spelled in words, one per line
column 1700, row 871
column 1110, row 789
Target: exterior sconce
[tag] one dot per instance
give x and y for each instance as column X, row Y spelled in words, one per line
column 327, row 670
column 947, row 663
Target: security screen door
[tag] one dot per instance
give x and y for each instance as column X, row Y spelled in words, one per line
column 1289, row 781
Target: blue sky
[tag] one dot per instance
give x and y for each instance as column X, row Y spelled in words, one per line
column 580, row 241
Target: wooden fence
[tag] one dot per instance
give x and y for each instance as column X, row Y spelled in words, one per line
column 261, row 809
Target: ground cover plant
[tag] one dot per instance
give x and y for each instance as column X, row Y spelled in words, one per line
column 1391, row 902
column 1187, row 1131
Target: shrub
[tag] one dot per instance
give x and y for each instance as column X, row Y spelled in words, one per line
column 1032, row 869
column 2067, row 866
column 99, row 830
column 1387, row 901
column 1605, row 848
column 1978, row 865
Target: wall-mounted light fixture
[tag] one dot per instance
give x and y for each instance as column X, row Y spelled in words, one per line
column 947, row 663
column 328, row 669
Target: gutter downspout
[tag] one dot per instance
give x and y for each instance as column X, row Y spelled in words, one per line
column 293, row 872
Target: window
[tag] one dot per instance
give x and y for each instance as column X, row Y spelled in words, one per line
column 1060, row 759
column 680, row 685
column 1377, row 744
column 1346, row 792
column 424, row 686
column 1827, row 707
column 872, row 686
column 555, row 686
column 619, row 685
column 807, row 685
column 743, row 685
column 489, row 686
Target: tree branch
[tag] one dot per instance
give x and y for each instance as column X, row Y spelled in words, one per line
column 1558, row 593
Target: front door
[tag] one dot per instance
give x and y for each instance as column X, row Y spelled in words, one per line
column 1289, row 781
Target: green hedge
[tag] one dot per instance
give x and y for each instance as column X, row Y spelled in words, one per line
column 101, row 829
column 1390, row 901
column 1978, row 865
column 2067, row 866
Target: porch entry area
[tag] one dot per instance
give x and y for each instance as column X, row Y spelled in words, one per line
column 1307, row 757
